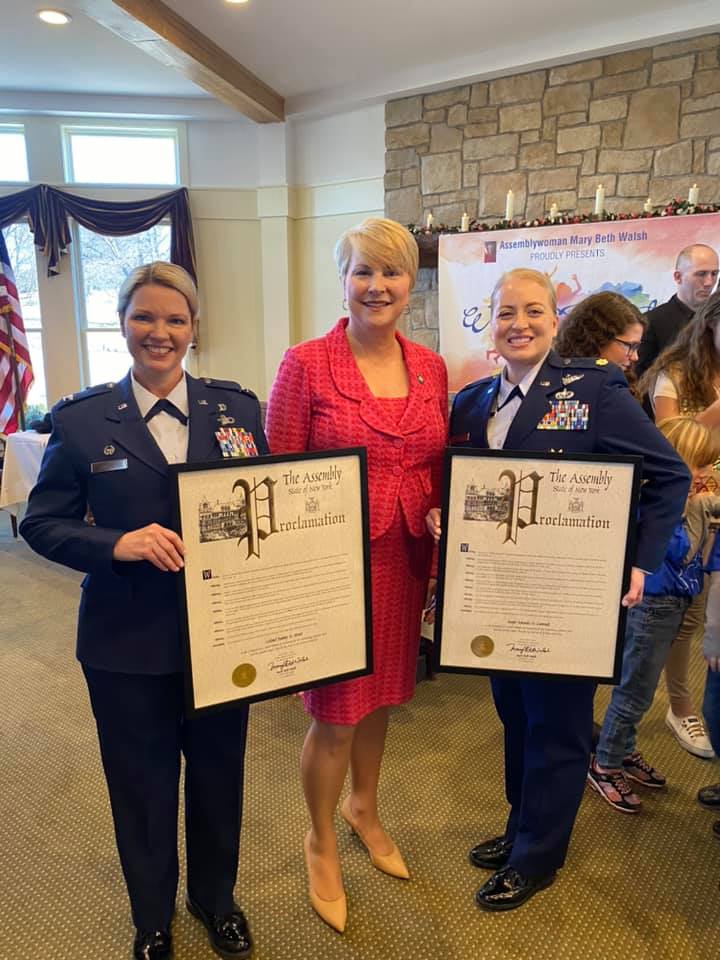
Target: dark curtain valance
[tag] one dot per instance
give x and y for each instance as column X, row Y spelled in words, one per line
column 48, row 209
column 24, row 203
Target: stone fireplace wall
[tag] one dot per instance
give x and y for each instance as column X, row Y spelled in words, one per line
column 642, row 123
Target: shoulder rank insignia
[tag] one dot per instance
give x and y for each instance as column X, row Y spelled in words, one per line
column 88, row 392
column 601, row 362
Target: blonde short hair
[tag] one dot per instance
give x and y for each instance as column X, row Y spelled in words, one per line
column 525, row 273
column 164, row 275
column 697, row 445
column 380, row 242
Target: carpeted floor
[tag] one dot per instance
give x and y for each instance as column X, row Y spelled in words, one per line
column 636, row 887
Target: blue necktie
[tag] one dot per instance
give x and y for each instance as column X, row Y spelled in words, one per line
column 164, row 406
column 515, row 392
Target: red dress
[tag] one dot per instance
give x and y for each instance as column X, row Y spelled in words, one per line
column 320, row 401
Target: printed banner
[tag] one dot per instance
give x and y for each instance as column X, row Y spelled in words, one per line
column 633, row 257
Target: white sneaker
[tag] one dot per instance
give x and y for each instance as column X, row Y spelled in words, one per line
column 690, row 734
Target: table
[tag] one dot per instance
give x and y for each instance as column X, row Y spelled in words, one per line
column 23, row 456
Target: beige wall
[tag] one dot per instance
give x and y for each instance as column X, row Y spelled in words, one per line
column 318, row 294
column 231, row 343
column 264, row 248
column 268, row 280
column 266, row 273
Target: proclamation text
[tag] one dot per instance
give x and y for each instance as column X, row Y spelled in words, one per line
column 276, row 586
column 534, row 559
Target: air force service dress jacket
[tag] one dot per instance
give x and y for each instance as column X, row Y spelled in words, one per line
column 102, row 456
column 548, row 723
column 615, row 424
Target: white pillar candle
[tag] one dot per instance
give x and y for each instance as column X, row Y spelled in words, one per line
column 599, row 199
column 509, row 205
column 553, row 212
column 464, row 223
column 429, row 221
column 693, row 195
column 647, row 206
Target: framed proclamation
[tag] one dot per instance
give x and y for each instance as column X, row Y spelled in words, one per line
column 275, row 592
column 535, row 557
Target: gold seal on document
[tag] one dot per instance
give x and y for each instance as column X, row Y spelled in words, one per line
column 244, row 675
column 482, row 646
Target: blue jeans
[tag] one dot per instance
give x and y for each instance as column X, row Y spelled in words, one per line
column 649, row 633
column 711, row 709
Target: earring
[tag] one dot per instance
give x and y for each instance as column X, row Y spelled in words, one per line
column 344, row 303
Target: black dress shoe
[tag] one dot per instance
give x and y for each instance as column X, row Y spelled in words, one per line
column 710, row 796
column 508, row 889
column 152, row 945
column 228, row 933
column 491, row 854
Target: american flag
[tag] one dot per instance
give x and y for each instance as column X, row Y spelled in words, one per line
column 15, row 366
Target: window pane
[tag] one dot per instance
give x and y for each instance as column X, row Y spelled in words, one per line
column 21, row 250
column 13, row 158
column 105, row 262
column 37, row 404
column 108, row 358
column 123, row 158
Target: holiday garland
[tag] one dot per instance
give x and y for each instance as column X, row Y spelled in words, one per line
column 427, row 237
column 676, row 208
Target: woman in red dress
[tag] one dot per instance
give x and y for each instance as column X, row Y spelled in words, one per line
column 363, row 384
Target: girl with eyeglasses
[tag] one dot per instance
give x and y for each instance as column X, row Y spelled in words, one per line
column 603, row 325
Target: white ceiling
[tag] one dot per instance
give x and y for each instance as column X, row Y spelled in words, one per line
column 79, row 58
column 330, row 55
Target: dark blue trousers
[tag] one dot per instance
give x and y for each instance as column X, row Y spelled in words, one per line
column 711, row 709
column 143, row 731
column 548, row 739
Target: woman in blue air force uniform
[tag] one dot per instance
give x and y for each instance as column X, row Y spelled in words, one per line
column 548, row 723
column 109, row 452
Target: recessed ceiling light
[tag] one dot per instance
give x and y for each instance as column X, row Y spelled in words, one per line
column 56, row 17
column 236, row 1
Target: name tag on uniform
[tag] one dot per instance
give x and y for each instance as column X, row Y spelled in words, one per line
column 105, row 466
column 566, row 415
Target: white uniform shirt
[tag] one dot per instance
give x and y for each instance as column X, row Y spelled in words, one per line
column 169, row 434
column 502, row 417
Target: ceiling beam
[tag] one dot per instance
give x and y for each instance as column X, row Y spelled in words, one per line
column 153, row 27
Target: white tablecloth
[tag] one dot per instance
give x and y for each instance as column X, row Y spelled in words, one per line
column 23, row 455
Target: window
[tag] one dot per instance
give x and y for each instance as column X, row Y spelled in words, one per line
column 102, row 264
column 121, row 155
column 13, row 156
column 21, row 250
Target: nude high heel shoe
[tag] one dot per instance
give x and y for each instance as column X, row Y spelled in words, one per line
column 391, row 863
column 333, row 912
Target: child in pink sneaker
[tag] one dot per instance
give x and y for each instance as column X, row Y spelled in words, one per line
column 651, row 628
